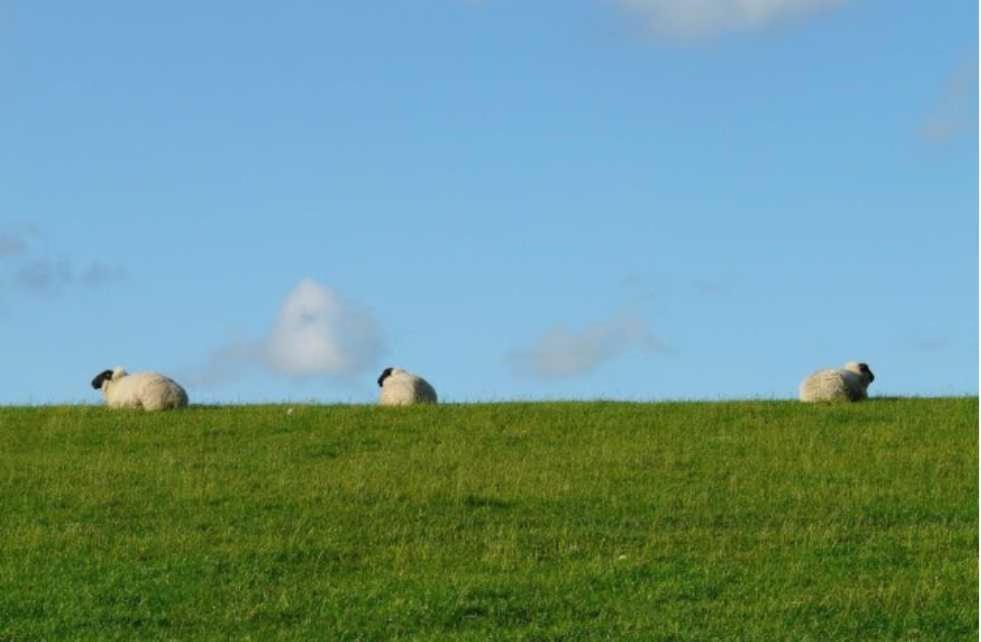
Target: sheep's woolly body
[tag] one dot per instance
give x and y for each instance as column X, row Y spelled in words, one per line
column 843, row 384
column 146, row 390
column 401, row 388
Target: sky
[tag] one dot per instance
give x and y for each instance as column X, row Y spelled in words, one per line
column 585, row 199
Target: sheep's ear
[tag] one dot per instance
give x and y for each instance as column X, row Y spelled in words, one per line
column 384, row 375
column 99, row 378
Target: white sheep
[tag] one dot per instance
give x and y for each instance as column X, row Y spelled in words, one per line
column 844, row 384
column 401, row 388
column 146, row 390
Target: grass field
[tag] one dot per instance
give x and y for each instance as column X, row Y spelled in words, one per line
column 539, row 521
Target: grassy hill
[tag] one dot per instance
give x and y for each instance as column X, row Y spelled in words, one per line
column 540, row 521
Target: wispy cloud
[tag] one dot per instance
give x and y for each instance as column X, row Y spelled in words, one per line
column 651, row 287
column 563, row 353
column 11, row 245
column 691, row 19
column 316, row 333
column 955, row 110
column 98, row 273
column 14, row 241
column 225, row 364
column 710, row 288
column 45, row 275
column 30, row 270
column 929, row 343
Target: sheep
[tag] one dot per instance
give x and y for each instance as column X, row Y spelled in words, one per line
column 146, row 390
column 845, row 384
column 401, row 388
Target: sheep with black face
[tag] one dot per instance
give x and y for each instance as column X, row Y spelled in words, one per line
column 402, row 388
column 146, row 390
column 843, row 384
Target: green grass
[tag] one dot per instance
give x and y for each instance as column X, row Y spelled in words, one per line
column 543, row 521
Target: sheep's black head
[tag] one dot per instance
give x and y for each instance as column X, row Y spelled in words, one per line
column 384, row 375
column 105, row 375
column 864, row 369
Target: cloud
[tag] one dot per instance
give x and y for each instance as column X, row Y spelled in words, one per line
column 561, row 353
column 98, row 273
column 930, row 343
column 654, row 287
column 14, row 241
column 45, row 275
column 11, row 245
column 705, row 18
column 227, row 363
column 955, row 110
column 39, row 273
column 316, row 333
column 710, row 288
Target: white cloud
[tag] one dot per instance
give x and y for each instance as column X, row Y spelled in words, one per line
column 319, row 333
column 316, row 333
column 705, row 18
column 561, row 353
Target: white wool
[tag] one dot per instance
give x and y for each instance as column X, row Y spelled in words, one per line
column 849, row 383
column 146, row 390
column 402, row 388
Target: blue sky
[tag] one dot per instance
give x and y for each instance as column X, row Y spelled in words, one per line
column 636, row 199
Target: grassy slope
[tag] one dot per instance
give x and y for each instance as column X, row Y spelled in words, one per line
column 572, row 521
